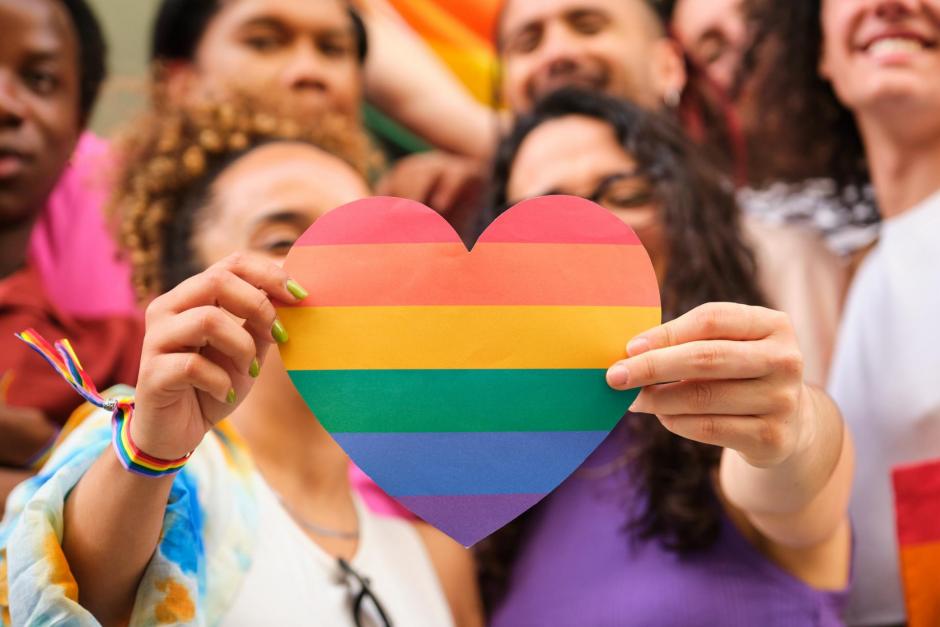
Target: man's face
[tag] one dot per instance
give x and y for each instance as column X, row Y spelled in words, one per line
column 614, row 46
column 40, row 117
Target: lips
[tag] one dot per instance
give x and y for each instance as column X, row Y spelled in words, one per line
column 897, row 42
column 12, row 163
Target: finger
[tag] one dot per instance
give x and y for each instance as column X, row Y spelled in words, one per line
column 413, row 178
column 174, row 373
column 451, row 188
column 759, row 440
column 205, row 327
column 234, row 292
column 712, row 321
column 733, row 398
column 706, row 360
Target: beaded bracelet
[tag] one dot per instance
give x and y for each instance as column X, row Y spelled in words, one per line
column 66, row 363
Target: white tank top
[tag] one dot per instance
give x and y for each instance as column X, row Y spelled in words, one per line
column 292, row 581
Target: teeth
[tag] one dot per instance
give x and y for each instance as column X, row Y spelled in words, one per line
column 895, row 44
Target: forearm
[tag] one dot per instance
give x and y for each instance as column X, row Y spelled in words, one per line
column 113, row 520
column 802, row 500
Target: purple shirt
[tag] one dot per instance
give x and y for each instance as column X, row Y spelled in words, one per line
column 579, row 567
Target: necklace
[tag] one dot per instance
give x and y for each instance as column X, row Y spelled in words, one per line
column 317, row 529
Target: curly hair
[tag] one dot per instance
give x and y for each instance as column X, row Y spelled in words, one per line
column 708, row 262
column 812, row 133
column 171, row 161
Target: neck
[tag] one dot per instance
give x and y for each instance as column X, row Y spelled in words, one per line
column 905, row 166
column 14, row 240
column 293, row 452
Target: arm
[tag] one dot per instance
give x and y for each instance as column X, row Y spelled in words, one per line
column 731, row 376
column 194, row 356
column 456, row 570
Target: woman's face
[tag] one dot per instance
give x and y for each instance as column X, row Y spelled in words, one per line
column 264, row 201
column 301, row 54
column 713, row 34
column 883, row 56
column 580, row 156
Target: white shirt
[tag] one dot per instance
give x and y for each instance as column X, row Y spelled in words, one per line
column 292, row 581
column 886, row 380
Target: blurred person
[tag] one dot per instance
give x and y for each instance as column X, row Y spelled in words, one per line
column 260, row 525
column 50, row 71
column 702, row 492
column 863, row 101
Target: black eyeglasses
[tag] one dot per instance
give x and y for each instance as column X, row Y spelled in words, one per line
column 363, row 597
column 622, row 190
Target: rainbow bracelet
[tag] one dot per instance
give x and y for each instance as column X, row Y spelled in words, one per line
column 131, row 457
column 62, row 357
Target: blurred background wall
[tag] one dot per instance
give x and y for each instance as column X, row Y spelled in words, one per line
column 127, row 27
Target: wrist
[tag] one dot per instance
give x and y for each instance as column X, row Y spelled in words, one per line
column 136, row 459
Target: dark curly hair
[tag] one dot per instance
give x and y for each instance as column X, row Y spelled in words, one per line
column 812, row 134
column 171, row 160
column 708, row 262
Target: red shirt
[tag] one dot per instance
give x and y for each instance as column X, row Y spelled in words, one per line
column 109, row 347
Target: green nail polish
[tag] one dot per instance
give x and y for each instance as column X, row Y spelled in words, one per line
column 278, row 332
column 254, row 369
column 232, row 397
column 296, row 290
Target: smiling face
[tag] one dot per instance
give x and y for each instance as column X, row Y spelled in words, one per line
column 614, row 46
column 39, row 103
column 883, row 58
column 581, row 156
column 713, row 34
column 264, row 201
column 302, row 54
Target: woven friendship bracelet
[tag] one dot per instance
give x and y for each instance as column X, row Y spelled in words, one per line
column 131, row 457
column 66, row 363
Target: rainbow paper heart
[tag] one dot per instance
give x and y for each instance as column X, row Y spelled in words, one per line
column 467, row 385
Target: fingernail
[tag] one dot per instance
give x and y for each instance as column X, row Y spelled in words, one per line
column 638, row 346
column 278, row 332
column 618, row 376
column 232, row 397
column 254, row 369
column 296, row 290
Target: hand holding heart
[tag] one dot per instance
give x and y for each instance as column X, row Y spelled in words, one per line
column 197, row 358
column 723, row 374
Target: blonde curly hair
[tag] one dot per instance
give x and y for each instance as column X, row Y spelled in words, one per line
column 171, row 159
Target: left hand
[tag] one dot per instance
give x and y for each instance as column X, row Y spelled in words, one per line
column 723, row 374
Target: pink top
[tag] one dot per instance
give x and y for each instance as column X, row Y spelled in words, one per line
column 71, row 245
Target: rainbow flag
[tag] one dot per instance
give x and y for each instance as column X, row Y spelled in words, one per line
column 917, row 507
column 461, row 34
column 467, row 386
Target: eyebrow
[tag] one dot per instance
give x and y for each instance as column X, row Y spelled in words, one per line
column 275, row 23
column 282, row 215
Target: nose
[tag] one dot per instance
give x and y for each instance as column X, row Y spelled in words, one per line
column 305, row 69
column 12, row 108
column 560, row 51
column 895, row 9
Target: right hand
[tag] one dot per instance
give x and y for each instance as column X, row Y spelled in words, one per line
column 196, row 353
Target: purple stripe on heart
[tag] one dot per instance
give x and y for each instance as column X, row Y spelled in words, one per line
column 459, row 516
